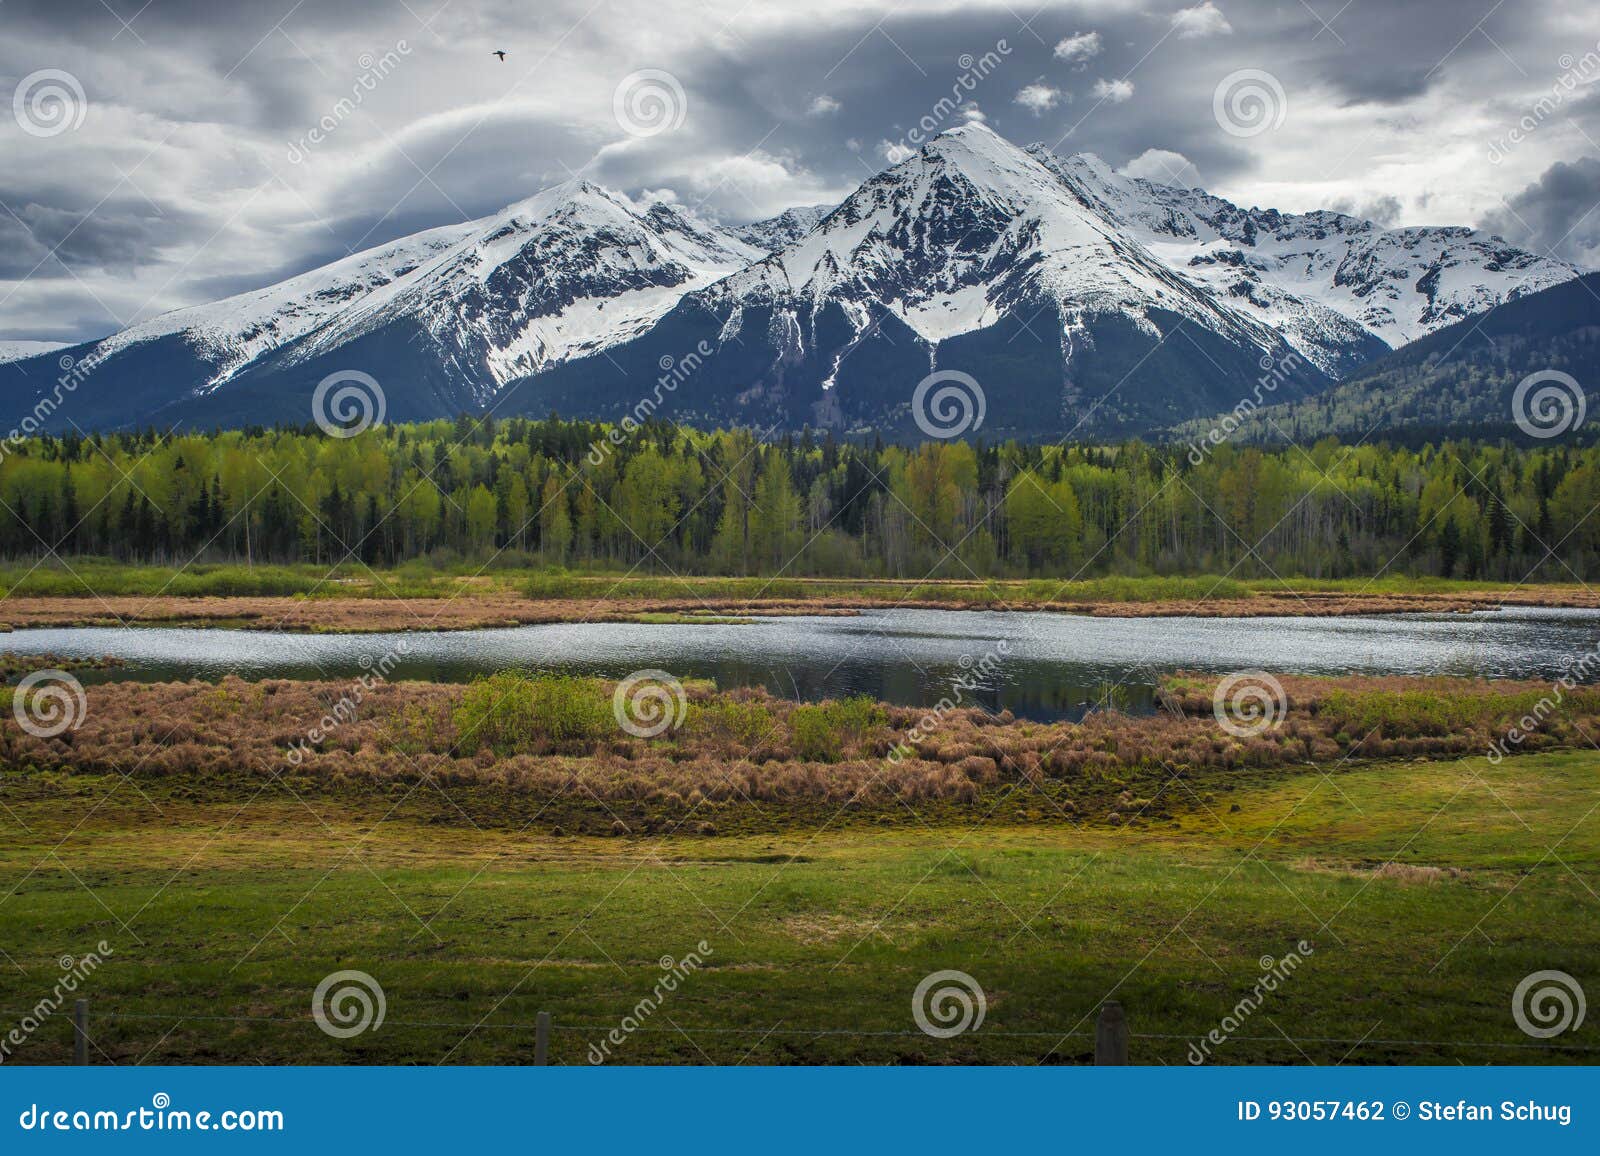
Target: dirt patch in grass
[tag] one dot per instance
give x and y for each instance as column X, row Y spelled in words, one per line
column 817, row 927
column 1412, row 874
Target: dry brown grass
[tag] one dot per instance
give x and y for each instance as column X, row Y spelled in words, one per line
column 488, row 606
column 739, row 748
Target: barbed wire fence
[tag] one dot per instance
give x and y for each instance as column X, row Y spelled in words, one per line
column 1113, row 1041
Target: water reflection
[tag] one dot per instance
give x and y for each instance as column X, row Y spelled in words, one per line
column 1048, row 666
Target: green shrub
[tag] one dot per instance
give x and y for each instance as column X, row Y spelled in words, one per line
column 745, row 723
column 512, row 713
column 814, row 735
column 819, row 732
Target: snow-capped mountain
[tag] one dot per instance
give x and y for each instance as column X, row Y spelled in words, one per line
column 17, row 350
column 973, row 256
column 959, row 236
column 1313, row 276
column 1081, row 301
column 442, row 318
column 227, row 336
column 567, row 273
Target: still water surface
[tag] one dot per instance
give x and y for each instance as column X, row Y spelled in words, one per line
column 1051, row 666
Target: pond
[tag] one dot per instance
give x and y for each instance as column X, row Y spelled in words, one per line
column 1039, row 665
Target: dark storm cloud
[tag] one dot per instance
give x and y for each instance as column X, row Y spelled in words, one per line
column 116, row 235
column 1560, row 213
column 882, row 79
column 193, row 175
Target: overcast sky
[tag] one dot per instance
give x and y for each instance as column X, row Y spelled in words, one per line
column 189, row 168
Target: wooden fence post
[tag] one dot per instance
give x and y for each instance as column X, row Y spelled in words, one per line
column 80, row 1032
column 1111, row 1035
column 541, row 1040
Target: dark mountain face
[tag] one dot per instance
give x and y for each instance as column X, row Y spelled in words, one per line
column 1467, row 378
column 1028, row 388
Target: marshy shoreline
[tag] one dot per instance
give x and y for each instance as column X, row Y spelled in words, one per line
column 514, row 749
column 491, row 605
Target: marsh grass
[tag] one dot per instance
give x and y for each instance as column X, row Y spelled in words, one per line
column 531, row 745
column 511, row 713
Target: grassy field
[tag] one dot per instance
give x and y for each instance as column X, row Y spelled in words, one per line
column 1425, row 891
column 311, row 599
column 92, row 577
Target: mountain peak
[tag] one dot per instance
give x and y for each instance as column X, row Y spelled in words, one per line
column 579, row 192
column 971, row 128
column 973, row 249
column 974, row 140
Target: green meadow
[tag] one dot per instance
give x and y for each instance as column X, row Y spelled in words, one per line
column 1413, row 897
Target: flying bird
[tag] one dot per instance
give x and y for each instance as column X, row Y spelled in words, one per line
column 500, row 54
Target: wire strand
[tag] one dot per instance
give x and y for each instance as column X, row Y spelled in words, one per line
column 1056, row 1035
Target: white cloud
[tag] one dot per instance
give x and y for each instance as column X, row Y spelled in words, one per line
column 970, row 112
column 1078, row 47
column 1113, row 91
column 1202, row 20
column 1038, row 97
column 755, row 182
column 1164, row 167
column 894, row 152
column 207, row 143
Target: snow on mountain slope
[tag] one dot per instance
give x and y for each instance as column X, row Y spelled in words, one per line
column 969, row 257
column 961, row 234
column 17, row 350
column 786, row 228
column 568, row 272
column 1080, row 295
column 1310, row 274
column 571, row 270
column 233, row 333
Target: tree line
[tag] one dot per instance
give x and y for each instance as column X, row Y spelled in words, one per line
column 566, row 493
